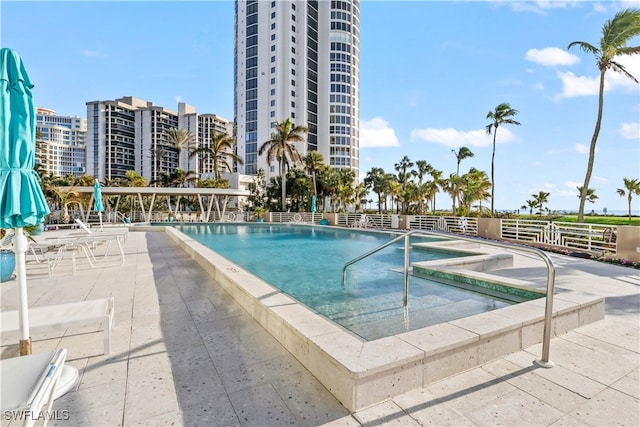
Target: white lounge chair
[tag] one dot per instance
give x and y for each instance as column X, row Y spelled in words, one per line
column 61, row 316
column 28, row 385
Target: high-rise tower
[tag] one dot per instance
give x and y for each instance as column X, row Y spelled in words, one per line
column 298, row 60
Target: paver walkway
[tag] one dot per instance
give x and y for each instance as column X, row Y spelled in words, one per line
column 184, row 353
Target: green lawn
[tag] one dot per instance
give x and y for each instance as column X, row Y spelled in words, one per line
column 609, row 220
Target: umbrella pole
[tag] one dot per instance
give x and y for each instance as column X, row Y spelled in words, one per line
column 20, row 245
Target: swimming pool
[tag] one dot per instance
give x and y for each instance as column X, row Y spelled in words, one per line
column 306, row 263
column 360, row 373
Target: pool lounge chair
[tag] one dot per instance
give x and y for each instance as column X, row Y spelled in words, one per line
column 62, row 316
column 28, row 386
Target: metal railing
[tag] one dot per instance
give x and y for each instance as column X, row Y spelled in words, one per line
column 575, row 236
column 551, row 273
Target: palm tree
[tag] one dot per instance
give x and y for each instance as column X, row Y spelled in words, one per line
column 65, row 198
column 541, row 198
column 633, row 187
column 591, row 194
column 616, row 33
column 462, row 154
column 221, row 151
column 179, row 138
column 281, row 147
column 502, row 115
column 530, row 204
column 313, row 163
column 375, row 181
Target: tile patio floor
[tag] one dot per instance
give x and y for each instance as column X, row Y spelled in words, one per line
column 184, row 353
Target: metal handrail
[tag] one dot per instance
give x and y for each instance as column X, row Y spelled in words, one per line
column 551, row 274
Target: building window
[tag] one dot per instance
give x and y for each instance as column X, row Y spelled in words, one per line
column 273, row 70
column 293, row 28
column 273, row 15
column 293, row 60
column 273, row 80
column 273, row 48
column 273, row 26
column 273, row 91
column 273, row 114
column 293, row 93
column 273, row 37
column 293, row 82
column 293, row 39
column 273, row 59
column 273, row 102
column 293, row 104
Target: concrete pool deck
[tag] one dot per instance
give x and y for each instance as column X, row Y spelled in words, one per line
column 185, row 353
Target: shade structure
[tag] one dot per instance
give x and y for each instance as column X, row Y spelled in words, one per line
column 98, row 206
column 22, row 202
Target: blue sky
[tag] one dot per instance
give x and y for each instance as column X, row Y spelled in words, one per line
column 430, row 72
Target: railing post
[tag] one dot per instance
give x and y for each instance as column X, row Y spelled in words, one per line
column 406, row 269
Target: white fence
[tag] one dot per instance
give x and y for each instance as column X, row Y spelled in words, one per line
column 451, row 224
column 580, row 236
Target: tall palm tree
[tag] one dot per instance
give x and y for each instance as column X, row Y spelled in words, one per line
column 281, row 147
column 375, row 180
column 541, row 198
column 502, row 115
column 591, row 194
column 221, row 150
column 313, row 163
column 530, row 204
column 461, row 154
column 180, row 139
column 616, row 33
column 633, row 188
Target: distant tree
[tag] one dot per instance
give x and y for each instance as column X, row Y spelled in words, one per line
column 502, row 115
column 616, row 33
column 375, row 181
column 541, row 198
column 632, row 187
column 461, row 154
column 180, row 139
column 530, row 204
column 221, row 151
column 281, row 147
column 591, row 194
column 313, row 163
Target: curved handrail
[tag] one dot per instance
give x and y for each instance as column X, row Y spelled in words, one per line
column 551, row 274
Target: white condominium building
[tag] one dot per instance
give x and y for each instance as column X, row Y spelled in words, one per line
column 298, row 60
column 60, row 143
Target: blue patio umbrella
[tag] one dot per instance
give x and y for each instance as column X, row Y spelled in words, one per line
column 22, row 202
column 97, row 200
column 313, row 204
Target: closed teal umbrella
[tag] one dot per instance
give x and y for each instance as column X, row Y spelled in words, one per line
column 97, row 200
column 22, row 202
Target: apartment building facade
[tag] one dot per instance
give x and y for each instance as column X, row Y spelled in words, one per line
column 297, row 60
column 61, row 142
column 128, row 134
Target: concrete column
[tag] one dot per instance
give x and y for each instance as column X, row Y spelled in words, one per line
column 628, row 243
column 490, row 228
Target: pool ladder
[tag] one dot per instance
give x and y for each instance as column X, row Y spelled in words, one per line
column 551, row 274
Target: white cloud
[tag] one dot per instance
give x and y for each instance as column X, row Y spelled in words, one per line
column 582, row 149
column 94, row 54
column 377, row 133
column 601, row 179
column 630, row 130
column 557, row 150
column 539, row 7
column 178, row 98
column 551, row 56
column 573, row 85
column 455, row 138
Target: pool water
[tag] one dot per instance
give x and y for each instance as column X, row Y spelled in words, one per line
column 306, row 263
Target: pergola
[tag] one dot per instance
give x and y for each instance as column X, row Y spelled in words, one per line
column 208, row 198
